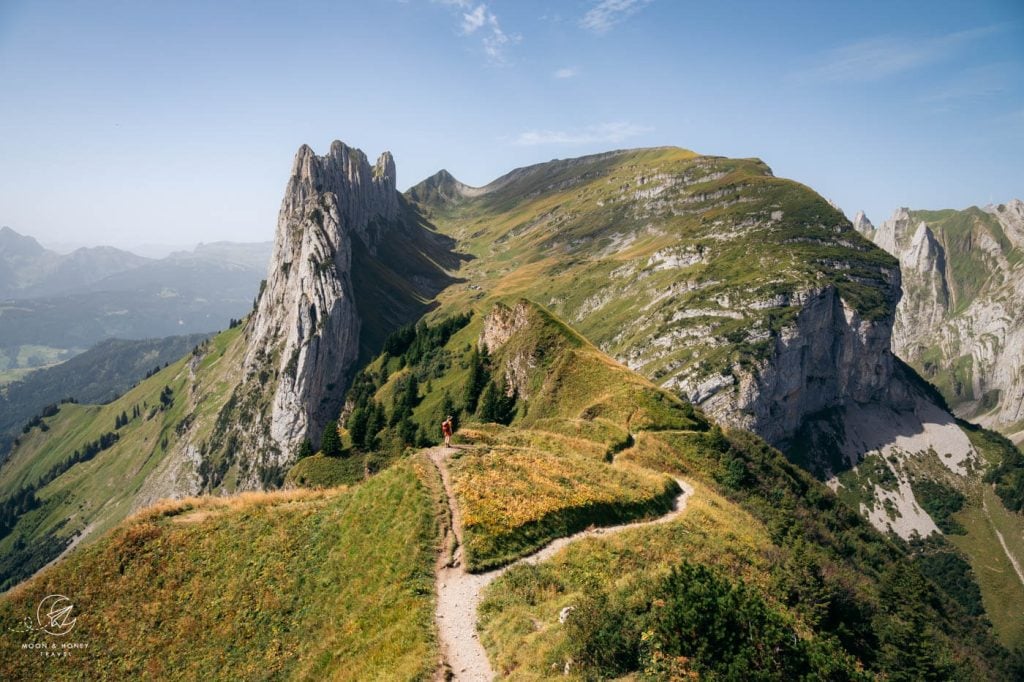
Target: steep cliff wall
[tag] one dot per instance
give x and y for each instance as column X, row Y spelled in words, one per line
column 306, row 327
column 352, row 261
column 829, row 356
column 961, row 320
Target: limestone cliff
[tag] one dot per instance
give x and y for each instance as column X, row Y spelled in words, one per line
column 961, row 318
column 306, row 327
column 351, row 262
column 828, row 357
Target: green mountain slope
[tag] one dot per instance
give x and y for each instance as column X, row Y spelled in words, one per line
column 704, row 273
column 584, row 433
column 96, row 376
column 81, row 497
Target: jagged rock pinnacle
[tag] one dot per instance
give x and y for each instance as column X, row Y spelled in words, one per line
column 306, row 328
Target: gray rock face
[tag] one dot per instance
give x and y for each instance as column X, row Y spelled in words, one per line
column 863, row 225
column 306, row 328
column 499, row 326
column 830, row 357
column 895, row 231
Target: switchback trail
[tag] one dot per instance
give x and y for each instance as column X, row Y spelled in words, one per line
column 458, row 591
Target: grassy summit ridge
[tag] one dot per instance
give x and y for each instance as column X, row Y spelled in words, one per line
column 620, row 244
column 805, row 561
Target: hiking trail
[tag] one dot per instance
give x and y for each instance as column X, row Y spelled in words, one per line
column 459, row 592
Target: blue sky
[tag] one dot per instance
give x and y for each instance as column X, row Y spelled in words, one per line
column 176, row 122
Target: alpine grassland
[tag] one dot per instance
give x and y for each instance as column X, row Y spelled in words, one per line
column 618, row 244
column 334, row 584
column 592, row 443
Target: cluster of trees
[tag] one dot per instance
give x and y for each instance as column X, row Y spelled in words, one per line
column 419, row 353
column 48, row 411
column 491, row 401
column 698, row 622
column 123, row 419
column 410, row 344
column 14, row 506
column 234, row 323
column 166, row 398
column 1008, row 474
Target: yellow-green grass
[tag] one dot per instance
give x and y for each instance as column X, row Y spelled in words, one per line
column 1001, row 589
column 514, row 501
column 558, row 233
column 519, row 616
column 100, row 493
column 310, row 585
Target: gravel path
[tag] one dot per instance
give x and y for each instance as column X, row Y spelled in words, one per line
column 458, row 591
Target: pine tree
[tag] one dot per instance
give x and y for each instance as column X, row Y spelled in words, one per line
column 358, row 426
column 375, row 423
column 330, row 442
column 448, row 409
column 488, row 411
column 407, row 431
column 476, row 381
column 506, row 402
column 305, row 449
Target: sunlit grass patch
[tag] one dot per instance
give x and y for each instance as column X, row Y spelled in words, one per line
column 514, row 501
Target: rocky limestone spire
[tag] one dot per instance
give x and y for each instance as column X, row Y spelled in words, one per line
column 863, row 225
column 1011, row 217
column 305, row 330
column 895, row 232
column 924, row 253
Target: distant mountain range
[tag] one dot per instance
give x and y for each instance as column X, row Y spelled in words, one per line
column 61, row 304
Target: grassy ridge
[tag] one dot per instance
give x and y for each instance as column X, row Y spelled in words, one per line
column 297, row 585
column 552, row 473
column 755, row 520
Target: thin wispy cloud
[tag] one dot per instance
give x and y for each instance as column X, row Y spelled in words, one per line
column 884, row 56
column 607, row 13
column 602, row 132
column 971, row 85
column 477, row 19
column 566, row 72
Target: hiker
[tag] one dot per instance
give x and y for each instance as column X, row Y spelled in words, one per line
column 446, row 429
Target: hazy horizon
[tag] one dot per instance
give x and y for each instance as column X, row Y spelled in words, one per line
column 177, row 124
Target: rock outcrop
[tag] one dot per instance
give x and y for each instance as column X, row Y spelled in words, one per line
column 863, row 225
column 961, row 319
column 831, row 356
column 306, row 327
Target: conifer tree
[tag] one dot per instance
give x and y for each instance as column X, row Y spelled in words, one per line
column 330, row 442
